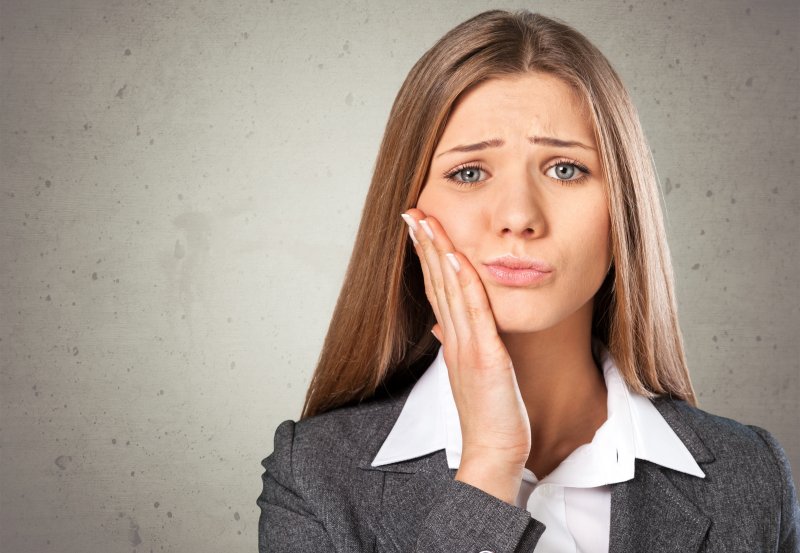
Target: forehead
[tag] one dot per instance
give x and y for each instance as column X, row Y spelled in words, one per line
column 533, row 103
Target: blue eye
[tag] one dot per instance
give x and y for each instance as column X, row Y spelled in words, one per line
column 469, row 174
column 465, row 175
column 565, row 172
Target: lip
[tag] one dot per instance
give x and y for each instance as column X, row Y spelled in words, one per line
column 510, row 270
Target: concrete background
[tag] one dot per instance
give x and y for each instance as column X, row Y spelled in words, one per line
column 181, row 185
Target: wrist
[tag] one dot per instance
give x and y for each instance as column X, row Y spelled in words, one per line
column 496, row 477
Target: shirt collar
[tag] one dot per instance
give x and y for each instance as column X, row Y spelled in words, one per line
column 633, row 430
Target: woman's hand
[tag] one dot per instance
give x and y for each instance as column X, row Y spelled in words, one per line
column 495, row 429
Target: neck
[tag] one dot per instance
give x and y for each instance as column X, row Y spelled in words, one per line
column 563, row 389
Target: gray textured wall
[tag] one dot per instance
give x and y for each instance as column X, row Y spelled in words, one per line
column 181, row 185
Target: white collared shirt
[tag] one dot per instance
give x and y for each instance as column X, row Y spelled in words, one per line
column 574, row 500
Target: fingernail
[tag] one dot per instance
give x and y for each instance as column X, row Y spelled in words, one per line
column 411, row 234
column 409, row 221
column 453, row 261
column 426, row 228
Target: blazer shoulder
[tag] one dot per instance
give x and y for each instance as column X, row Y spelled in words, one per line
column 723, row 436
column 313, row 496
column 339, row 437
column 748, row 462
column 353, row 427
column 740, row 452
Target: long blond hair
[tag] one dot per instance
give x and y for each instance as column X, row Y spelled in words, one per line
column 379, row 337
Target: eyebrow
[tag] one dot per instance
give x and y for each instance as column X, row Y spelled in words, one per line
column 497, row 142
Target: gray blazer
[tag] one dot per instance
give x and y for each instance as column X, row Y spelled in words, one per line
column 321, row 495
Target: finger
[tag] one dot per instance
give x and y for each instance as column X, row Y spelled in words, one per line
column 435, row 283
column 468, row 304
column 451, row 265
column 415, row 230
column 429, row 290
column 472, row 313
column 434, row 259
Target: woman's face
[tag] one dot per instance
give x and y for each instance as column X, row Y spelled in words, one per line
column 517, row 173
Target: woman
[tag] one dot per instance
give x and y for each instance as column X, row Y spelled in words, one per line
column 509, row 374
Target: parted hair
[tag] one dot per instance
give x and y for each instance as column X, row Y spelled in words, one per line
column 379, row 336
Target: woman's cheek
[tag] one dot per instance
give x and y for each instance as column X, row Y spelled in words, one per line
column 458, row 230
column 464, row 223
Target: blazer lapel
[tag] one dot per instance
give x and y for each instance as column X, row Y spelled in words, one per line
column 650, row 513
column 409, row 490
column 408, row 487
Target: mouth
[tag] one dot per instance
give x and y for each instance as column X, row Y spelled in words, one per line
column 509, row 270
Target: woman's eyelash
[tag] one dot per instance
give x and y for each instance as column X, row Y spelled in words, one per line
column 572, row 182
column 451, row 174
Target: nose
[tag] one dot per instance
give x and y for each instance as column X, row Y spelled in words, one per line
column 518, row 209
